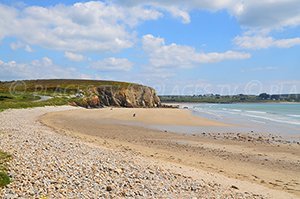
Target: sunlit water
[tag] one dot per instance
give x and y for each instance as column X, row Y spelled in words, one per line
column 268, row 118
column 258, row 112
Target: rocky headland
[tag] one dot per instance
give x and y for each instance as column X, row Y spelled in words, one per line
column 130, row 96
column 84, row 93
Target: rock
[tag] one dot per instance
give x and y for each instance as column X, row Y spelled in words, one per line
column 234, row 187
column 94, row 102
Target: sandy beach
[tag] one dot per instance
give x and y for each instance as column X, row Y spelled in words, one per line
column 69, row 152
column 265, row 161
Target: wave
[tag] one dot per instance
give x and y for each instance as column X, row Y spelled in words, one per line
column 281, row 120
column 294, row 116
column 259, row 112
column 259, row 116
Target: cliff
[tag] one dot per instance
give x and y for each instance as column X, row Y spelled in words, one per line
column 130, row 96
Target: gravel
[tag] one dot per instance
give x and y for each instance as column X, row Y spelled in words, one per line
column 49, row 164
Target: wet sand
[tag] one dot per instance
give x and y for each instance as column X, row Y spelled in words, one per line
column 262, row 160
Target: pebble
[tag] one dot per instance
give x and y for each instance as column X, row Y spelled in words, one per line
column 108, row 188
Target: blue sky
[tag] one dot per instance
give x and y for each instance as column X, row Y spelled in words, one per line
column 177, row 47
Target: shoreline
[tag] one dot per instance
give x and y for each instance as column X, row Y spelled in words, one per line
column 255, row 158
column 60, row 164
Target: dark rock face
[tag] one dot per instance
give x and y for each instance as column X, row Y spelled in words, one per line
column 131, row 96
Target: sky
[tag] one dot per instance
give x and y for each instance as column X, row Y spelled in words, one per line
column 177, row 47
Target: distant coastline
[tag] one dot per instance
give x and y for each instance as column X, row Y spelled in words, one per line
column 258, row 102
column 230, row 99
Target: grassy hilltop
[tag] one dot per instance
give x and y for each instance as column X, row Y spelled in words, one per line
column 56, row 85
column 30, row 93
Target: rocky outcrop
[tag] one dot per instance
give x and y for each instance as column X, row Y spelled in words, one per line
column 116, row 96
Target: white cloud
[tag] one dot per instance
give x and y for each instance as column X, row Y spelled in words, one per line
column 179, row 8
column 112, row 64
column 252, row 13
column 109, row 26
column 179, row 13
column 173, row 55
column 28, row 49
column 192, row 4
column 74, row 56
column 261, row 42
column 36, row 69
column 90, row 26
column 18, row 45
column 268, row 14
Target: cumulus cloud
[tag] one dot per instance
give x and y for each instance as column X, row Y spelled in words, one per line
column 109, row 25
column 192, row 4
column 173, row 55
column 36, row 69
column 74, row 56
column 179, row 13
column 90, row 26
column 254, row 13
column 268, row 14
column 20, row 45
column 262, row 42
column 112, row 64
column 178, row 8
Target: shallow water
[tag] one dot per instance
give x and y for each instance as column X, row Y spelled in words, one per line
column 268, row 118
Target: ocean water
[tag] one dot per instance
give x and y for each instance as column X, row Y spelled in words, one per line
column 279, row 118
column 260, row 112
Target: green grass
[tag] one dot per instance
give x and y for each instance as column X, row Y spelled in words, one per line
column 26, row 97
column 4, row 178
column 19, row 102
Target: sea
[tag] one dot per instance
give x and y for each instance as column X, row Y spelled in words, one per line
column 268, row 118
